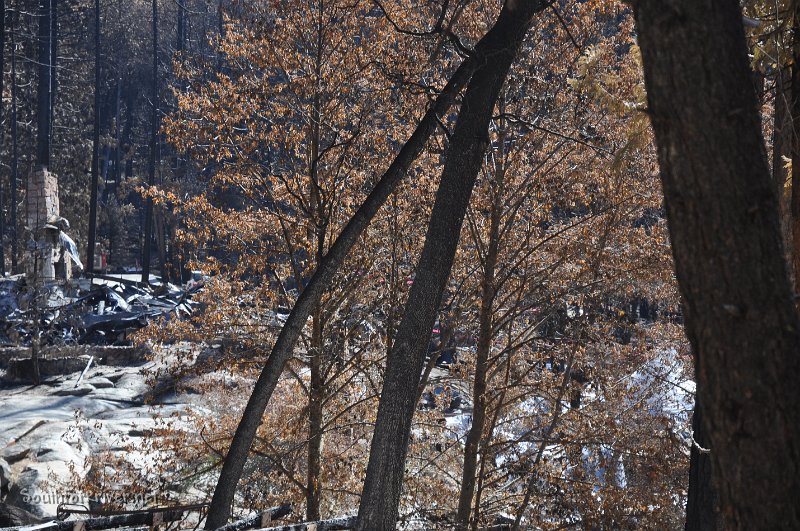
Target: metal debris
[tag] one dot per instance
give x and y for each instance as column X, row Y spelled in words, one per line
column 101, row 311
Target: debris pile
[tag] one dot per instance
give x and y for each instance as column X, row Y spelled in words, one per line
column 100, row 311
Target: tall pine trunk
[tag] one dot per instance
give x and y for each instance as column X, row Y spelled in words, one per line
column 151, row 169
column 2, row 109
column 95, row 144
column 45, row 83
column 14, row 145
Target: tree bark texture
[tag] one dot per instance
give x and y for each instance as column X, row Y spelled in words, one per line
column 794, row 204
column 464, row 157
column 722, row 212
column 782, row 130
column 702, row 512
column 315, row 419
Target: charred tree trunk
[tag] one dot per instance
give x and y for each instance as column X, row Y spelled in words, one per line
column 151, row 170
column 127, row 131
column 702, row 513
column 794, row 205
column 45, row 86
column 2, row 187
column 95, row 144
column 738, row 308
column 315, row 420
column 117, row 171
column 180, row 37
column 781, row 131
column 316, row 233
column 14, row 151
column 180, row 43
column 463, row 160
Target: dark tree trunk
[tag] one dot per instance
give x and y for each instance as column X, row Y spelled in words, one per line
column 739, row 313
column 2, row 187
column 463, row 160
column 474, row 440
column 180, row 43
column 151, row 170
column 95, row 144
column 781, row 131
column 794, row 206
column 127, row 131
column 117, row 171
column 702, row 513
column 315, row 420
column 14, row 151
column 45, row 87
column 53, row 59
column 219, row 509
column 180, row 36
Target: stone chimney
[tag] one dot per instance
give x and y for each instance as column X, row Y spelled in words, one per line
column 46, row 257
column 42, row 199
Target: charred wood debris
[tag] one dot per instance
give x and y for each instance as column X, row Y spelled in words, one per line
column 13, row 519
column 102, row 310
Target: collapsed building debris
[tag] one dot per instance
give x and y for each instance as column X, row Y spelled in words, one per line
column 101, row 311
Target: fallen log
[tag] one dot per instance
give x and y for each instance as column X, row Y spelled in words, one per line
column 142, row 518
column 259, row 520
column 344, row 522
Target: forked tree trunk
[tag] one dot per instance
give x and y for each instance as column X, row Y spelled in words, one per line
column 739, row 313
column 464, row 157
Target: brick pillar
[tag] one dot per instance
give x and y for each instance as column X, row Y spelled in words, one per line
column 42, row 208
column 42, row 199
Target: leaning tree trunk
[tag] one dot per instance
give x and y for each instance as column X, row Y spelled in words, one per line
column 463, row 160
column 219, row 510
column 722, row 211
